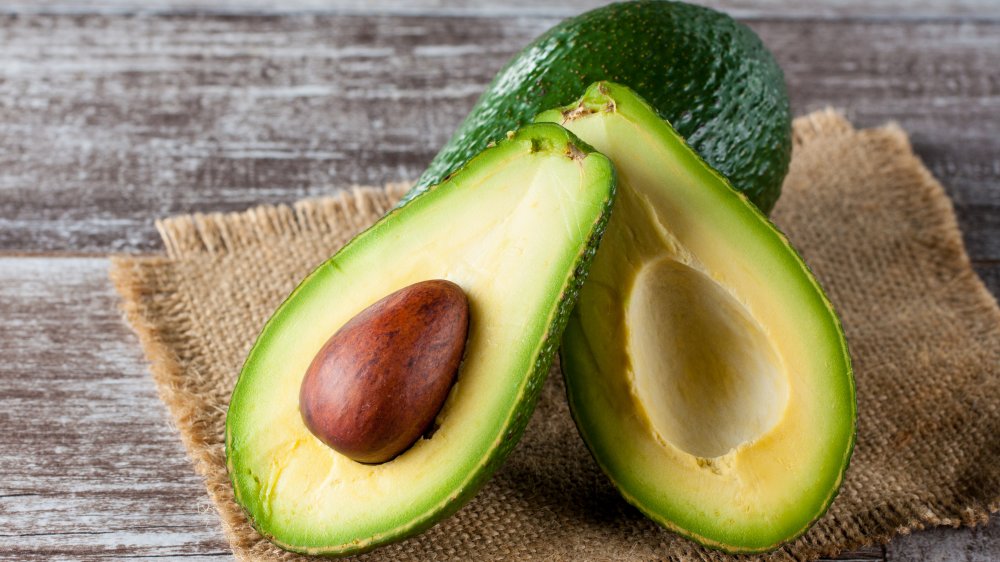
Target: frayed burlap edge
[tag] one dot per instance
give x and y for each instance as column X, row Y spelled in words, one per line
column 216, row 234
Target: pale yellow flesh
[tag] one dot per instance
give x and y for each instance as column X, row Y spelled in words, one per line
column 480, row 237
column 702, row 367
column 711, row 396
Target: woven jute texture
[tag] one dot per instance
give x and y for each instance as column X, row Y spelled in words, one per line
column 876, row 228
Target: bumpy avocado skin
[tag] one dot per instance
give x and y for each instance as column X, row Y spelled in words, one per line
column 705, row 73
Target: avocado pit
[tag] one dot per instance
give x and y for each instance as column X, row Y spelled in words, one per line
column 379, row 382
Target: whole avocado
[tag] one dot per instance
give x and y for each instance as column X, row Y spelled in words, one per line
column 707, row 74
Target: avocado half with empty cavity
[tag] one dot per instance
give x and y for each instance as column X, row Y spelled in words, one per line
column 515, row 230
column 706, row 370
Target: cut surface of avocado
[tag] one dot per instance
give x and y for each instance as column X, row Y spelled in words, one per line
column 516, row 229
column 705, row 368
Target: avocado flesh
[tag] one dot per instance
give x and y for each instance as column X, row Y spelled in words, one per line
column 480, row 229
column 705, row 368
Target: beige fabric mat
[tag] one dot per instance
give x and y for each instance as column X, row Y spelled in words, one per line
column 877, row 229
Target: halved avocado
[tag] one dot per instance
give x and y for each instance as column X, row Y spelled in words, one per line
column 705, row 368
column 516, row 229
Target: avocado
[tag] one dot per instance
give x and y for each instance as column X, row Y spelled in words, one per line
column 515, row 230
column 705, row 368
column 701, row 70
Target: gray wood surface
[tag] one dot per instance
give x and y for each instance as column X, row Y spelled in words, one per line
column 895, row 10
column 115, row 112
column 107, row 121
column 90, row 464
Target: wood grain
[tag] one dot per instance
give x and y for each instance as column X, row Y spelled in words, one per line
column 90, row 465
column 109, row 121
column 989, row 272
column 883, row 9
column 948, row 545
column 931, row 79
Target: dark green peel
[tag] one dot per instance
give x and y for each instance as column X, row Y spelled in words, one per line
column 705, row 73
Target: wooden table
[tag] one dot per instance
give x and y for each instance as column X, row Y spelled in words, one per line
column 116, row 112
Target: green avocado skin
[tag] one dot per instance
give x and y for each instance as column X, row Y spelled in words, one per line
column 702, row 71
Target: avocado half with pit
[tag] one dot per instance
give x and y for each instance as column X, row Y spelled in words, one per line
column 706, row 370
column 515, row 230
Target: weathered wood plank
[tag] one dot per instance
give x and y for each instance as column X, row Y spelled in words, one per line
column 106, row 123
column 989, row 272
column 888, row 9
column 937, row 81
column 981, row 544
column 90, row 465
column 109, row 122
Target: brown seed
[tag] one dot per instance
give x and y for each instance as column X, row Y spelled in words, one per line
column 378, row 383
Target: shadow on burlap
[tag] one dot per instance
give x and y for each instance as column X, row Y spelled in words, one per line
column 876, row 228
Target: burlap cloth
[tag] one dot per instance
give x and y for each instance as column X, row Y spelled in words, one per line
column 877, row 229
